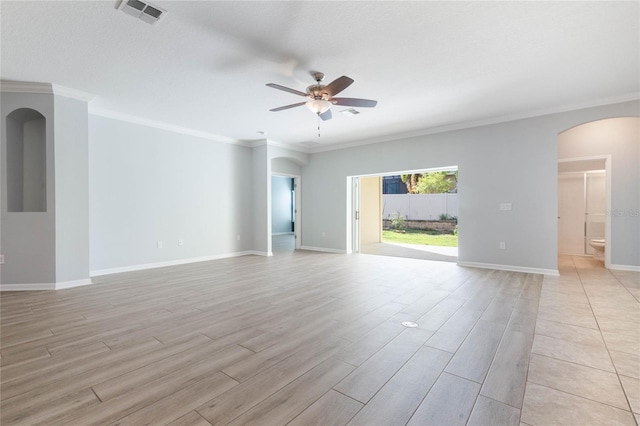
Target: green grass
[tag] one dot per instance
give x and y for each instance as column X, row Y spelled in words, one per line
column 414, row 236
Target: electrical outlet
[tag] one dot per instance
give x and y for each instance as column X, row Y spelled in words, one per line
column 160, row 244
column 503, row 245
column 505, row 206
column 1, row 259
column 180, row 242
column 238, row 238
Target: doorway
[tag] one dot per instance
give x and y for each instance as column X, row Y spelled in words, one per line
column 388, row 219
column 285, row 216
column 583, row 200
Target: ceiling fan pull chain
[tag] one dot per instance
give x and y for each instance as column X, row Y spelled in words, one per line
column 318, row 124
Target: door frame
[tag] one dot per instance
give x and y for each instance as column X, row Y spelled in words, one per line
column 353, row 212
column 297, row 189
column 607, row 216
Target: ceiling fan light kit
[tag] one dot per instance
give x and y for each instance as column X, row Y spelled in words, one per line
column 318, row 106
column 321, row 97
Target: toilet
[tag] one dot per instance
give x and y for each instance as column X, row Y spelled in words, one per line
column 598, row 248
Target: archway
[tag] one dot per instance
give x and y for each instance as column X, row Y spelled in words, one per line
column 616, row 143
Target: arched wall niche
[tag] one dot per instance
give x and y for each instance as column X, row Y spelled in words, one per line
column 26, row 161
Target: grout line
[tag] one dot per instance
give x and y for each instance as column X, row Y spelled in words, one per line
column 582, row 397
column 602, row 337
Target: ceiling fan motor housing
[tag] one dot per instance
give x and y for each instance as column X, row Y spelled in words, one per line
column 316, row 91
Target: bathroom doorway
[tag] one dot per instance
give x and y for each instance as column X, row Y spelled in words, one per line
column 582, row 205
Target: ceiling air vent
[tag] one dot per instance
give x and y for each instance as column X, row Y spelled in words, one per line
column 145, row 11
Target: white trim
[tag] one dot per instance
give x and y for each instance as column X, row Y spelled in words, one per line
column 72, row 93
column 72, row 284
column 25, row 87
column 165, row 126
column 27, row 287
column 289, row 146
column 632, row 268
column 44, row 88
column 608, row 167
column 45, row 286
column 323, row 249
column 478, row 123
column 553, row 272
column 144, row 266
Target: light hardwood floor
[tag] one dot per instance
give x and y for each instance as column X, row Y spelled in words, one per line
column 307, row 338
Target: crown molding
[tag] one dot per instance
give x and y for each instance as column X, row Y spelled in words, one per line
column 44, row 89
column 478, row 123
column 164, row 126
column 26, row 87
column 72, row 93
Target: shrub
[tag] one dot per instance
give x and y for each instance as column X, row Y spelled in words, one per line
column 398, row 222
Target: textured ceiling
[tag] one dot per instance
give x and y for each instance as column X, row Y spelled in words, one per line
column 429, row 64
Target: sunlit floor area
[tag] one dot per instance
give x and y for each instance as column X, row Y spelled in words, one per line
column 283, row 243
column 317, row 338
column 412, row 251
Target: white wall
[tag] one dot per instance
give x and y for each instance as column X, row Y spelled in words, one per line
column 148, row 184
column 285, row 167
column 72, row 189
column 261, row 200
column 619, row 138
column 281, row 204
column 513, row 162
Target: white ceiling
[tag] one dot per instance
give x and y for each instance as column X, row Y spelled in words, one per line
column 428, row 64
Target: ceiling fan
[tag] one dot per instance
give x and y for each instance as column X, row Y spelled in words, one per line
column 321, row 97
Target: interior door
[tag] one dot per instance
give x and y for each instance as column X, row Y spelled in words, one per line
column 596, row 205
column 571, row 213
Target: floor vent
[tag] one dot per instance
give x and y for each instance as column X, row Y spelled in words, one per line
column 145, row 11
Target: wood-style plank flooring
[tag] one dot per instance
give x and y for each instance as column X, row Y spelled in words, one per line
column 307, row 338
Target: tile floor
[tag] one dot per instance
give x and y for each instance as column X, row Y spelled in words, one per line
column 585, row 362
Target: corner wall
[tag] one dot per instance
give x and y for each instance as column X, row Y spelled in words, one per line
column 149, row 185
column 28, row 239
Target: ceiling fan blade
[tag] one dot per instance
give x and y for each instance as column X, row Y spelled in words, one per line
column 338, row 85
column 287, row 107
column 366, row 103
column 326, row 115
column 286, row 89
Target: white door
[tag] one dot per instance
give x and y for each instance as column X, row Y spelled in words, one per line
column 571, row 213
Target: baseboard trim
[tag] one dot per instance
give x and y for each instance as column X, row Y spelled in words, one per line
column 631, row 268
column 72, row 284
column 45, row 286
column 144, row 266
column 28, row 287
column 323, row 249
column 511, row 268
